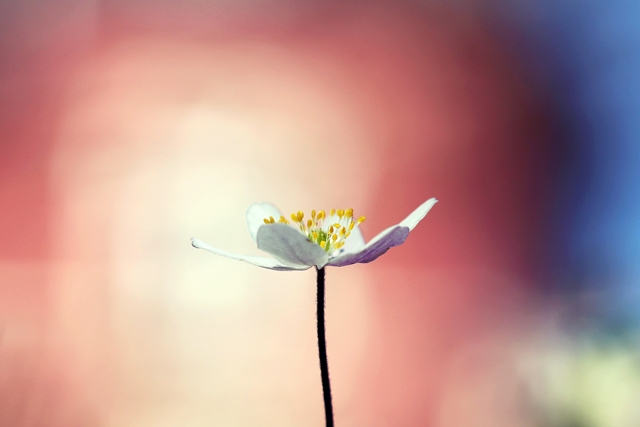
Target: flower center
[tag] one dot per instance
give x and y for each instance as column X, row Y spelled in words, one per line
column 329, row 232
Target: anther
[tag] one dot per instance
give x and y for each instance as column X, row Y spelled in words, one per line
column 329, row 239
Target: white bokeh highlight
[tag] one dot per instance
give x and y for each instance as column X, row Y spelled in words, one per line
column 183, row 152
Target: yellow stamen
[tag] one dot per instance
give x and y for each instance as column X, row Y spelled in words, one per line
column 271, row 220
column 330, row 237
column 266, row 221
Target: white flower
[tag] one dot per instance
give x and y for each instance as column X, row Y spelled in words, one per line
column 320, row 241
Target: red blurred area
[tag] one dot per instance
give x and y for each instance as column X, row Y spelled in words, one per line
column 439, row 105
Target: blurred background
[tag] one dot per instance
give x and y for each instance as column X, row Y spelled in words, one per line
column 128, row 127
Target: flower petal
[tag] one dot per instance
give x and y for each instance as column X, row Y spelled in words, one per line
column 256, row 214
column 289, row 246
column 264, row 262
column 416, row 216
column 392, row 236
column 354, row 243
column 389, row 238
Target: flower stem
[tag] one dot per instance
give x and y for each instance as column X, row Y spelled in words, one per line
column 322, row 350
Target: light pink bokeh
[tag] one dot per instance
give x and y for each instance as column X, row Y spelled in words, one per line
column 108, row 316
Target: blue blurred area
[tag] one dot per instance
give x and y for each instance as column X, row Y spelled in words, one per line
column 587, row 56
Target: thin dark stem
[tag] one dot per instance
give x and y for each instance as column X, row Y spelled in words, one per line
column 322, row 347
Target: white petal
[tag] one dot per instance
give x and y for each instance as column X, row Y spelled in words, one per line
column 289, row 246
column 392, row 236
column 416, row 216
column 330, row 220
column 264, row 262
column 354, row 243
column 256, row 214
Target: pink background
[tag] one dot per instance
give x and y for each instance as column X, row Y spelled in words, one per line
column 128, row 128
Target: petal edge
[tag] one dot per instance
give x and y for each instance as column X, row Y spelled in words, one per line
column 418, row 214
column 256, row 214
column 264, row 262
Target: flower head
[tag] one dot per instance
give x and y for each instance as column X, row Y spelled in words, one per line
column 320, row 240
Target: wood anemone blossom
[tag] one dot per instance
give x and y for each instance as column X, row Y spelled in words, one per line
column 320, row 241
column 323, row 240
